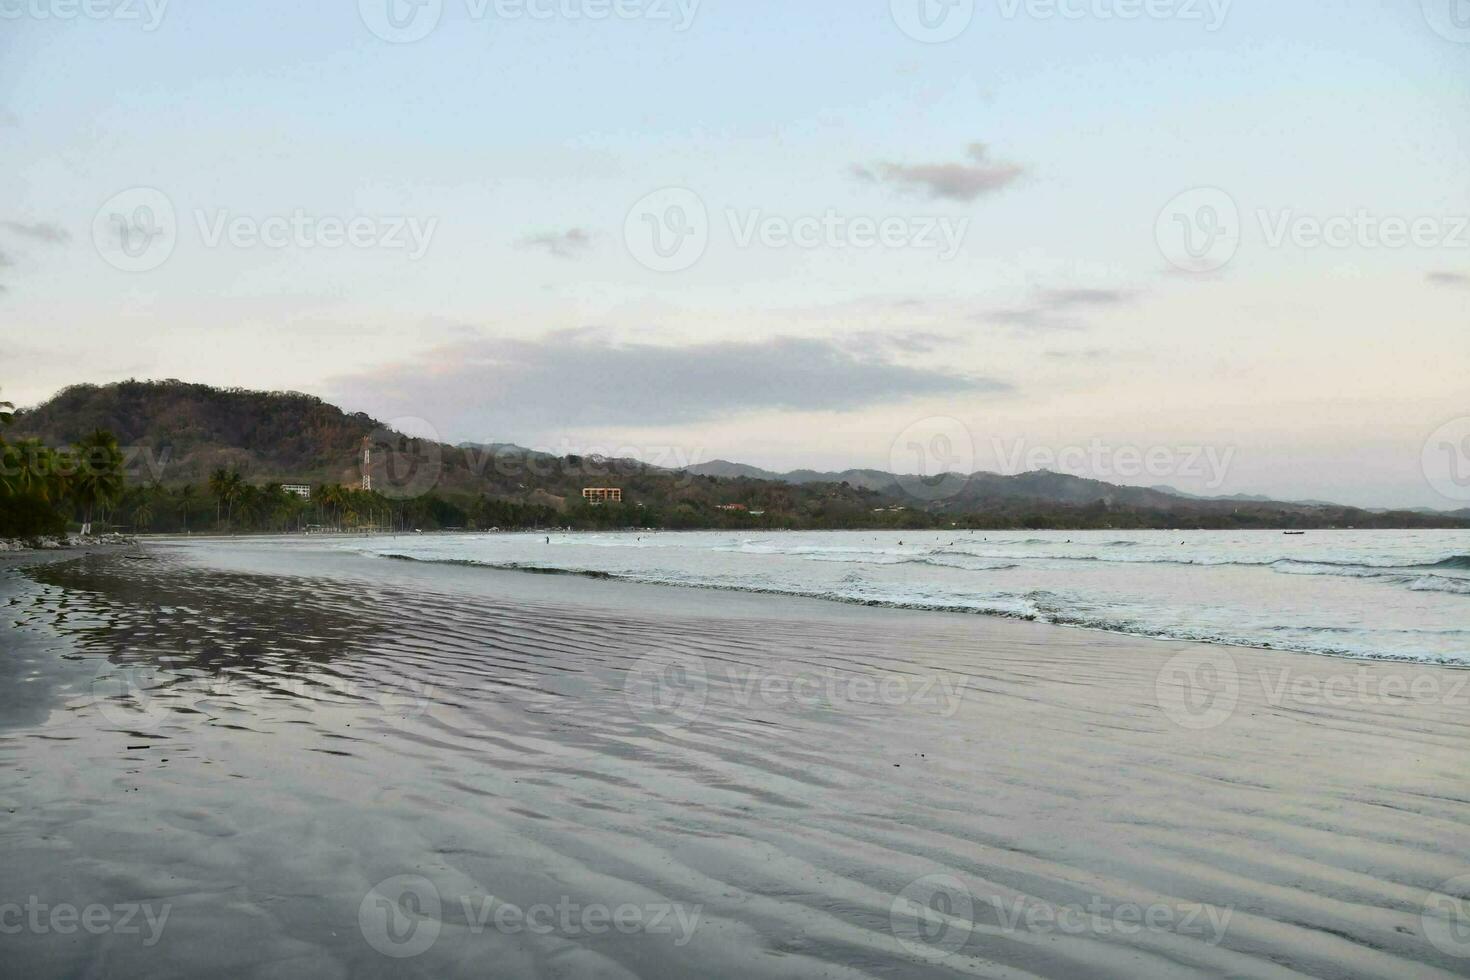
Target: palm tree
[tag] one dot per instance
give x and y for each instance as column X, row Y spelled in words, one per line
column 33, row 470
column 185, row 498
column 143, row 512
column 219, row 486
column 235, row 488
column 99, row 479
column 7, row 416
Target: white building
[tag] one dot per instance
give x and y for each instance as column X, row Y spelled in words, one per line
column 299, row 489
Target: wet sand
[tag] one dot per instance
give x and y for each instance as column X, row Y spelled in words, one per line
column 290, row 762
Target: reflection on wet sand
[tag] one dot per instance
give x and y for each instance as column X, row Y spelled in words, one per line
column 325, row 771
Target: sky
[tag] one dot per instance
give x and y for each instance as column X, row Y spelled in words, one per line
column 1216, row 245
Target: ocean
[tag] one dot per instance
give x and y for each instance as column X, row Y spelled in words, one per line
column 1396, row 595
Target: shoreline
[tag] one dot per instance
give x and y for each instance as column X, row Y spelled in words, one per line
column 600, row 576
column 812, row 768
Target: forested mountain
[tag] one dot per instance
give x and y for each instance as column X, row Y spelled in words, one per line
column 177, row 437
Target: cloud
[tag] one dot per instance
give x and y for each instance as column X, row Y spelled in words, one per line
column 41, row 231
column 509, row 389
column 564, row 245
column 946, row 181
column 1455, row 280
column 1058, row 309
column 903, row 341
column 1086, row 354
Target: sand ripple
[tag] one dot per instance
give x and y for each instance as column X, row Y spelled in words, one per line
column 843, row 792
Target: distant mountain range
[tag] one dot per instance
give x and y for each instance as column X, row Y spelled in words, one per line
column 1039, row 485
column 178, row 433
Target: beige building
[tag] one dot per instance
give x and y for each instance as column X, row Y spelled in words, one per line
column 603, row 495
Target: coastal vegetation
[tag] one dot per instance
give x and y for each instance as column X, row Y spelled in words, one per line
column 176, row 457
column 43, row 489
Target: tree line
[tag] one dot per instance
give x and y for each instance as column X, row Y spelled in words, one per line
column 43, row 490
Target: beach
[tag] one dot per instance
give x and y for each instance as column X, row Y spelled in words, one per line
column 291, row 759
